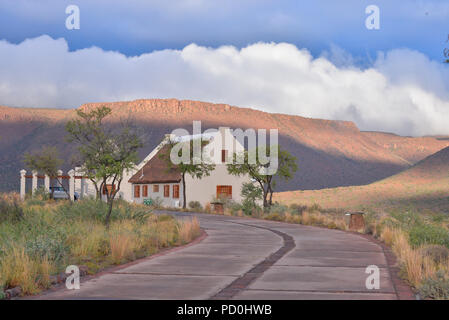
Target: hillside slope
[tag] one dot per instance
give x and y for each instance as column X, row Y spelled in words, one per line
column 423, row 186
column 329, row 153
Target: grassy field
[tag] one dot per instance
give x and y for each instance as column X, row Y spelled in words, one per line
column 41, row 238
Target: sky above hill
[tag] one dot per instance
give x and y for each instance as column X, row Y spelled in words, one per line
column 310, row 58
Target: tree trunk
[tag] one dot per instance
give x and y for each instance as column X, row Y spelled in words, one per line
column 270, row 201
column 184, row 191
column 108, row 215
column 265, row 202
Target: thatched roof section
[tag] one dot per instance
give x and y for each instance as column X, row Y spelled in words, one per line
column 157, row 171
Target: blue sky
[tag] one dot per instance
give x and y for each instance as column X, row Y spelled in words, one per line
column 309, row 58
column 134, row 27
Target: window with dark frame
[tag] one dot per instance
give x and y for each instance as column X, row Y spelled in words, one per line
column 224, row 155
column 155, row 188
column 166, row 191
column 176, row 191
column 145, row 191
column 224, row 192
column 136, row 191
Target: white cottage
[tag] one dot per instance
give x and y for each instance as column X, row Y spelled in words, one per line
column 153, row 179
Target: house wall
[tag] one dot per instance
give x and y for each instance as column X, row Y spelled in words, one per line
column 205, row 189
column 167, row 202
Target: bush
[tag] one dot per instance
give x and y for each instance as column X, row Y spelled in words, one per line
column 250, row 194
column 275, row 216
column 10, row 209
column 157, row 202
column 421, row 234
column 248, row 207
column 90, row 209
column 435, row 288
column 316, row 207
column 278, row 208
column 297, row 208
column 195, row 205
column 41, row 193
column 233, row 206
column 439, row 254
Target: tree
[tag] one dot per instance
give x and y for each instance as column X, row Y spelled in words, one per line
column 105, row 153
column 260, row 170
column 250, row 194
column 187, row 165
column 46, row 161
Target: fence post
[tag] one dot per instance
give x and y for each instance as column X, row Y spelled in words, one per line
column 22, row 184
column 72, row 184
column 34, row 183
column 47, row 183
column 58, row 177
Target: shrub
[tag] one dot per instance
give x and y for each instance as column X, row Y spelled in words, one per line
column 157, row 202
column 275, row 216
column 278, row 208
column 436, row 287
column 195, row 205
column 233, row 206
column 421, row 234
column 41, row 193
column 250, row 194
column 297, row 208
column 439, row 254
column 10, row 209
column 315, row 207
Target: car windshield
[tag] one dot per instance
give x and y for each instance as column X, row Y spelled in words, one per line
column 57, row 188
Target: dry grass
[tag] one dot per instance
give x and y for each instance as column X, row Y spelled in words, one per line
column 62, row 235
column 188, row 230
column 19, row 269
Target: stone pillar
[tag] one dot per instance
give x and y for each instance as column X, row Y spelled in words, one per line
column 47, row 183
column 59, row 179
column 72, row 185
column 83, row 188
column 34, row 183
column 22, row 184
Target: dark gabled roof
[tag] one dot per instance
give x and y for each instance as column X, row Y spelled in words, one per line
column 156, row 170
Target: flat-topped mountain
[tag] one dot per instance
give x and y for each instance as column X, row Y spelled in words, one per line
column 330, row 153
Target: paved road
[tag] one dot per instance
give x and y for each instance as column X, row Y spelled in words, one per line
column 249, row 259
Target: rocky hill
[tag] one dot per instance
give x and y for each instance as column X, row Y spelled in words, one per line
column 330, row 153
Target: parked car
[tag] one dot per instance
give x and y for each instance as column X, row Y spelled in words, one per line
column 60, row 194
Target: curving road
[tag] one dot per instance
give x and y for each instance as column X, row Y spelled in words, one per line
column 249, row 259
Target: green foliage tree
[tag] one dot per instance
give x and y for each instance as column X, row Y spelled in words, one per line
column 250, row 194
column 105, row 153
column 198, row 171
column 258, row 170
column 45, row 161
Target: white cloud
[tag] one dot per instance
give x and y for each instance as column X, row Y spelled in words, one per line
column 404, row 92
